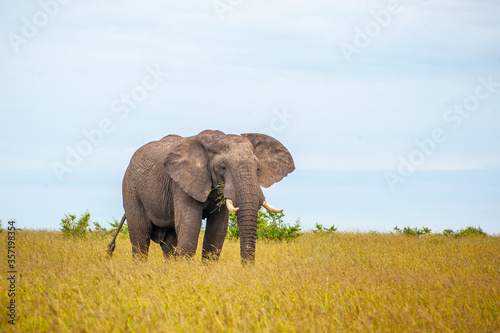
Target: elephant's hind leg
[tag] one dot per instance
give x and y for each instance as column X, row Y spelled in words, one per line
column 140, row 229
column 140, row 244
column 169, row 243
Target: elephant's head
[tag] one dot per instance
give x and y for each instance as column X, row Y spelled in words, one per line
column 244, row 163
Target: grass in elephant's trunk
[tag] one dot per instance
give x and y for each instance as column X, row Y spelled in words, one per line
column 220, row 200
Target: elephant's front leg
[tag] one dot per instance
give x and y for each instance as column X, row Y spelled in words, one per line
column 188, row 213
column 215, row 234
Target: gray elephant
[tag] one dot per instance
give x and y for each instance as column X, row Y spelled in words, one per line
column 172, row 184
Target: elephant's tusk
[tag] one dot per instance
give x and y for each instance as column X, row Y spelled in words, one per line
column 230, row 206
column 271, row 208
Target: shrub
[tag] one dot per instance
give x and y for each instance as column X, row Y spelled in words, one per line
column 412, row 231
column 467, row 232
column 269, row 226
column 98, row 228
column 70, row 226
column 471, row 231
column 448, row 232
column 322, row 230
column 233, row 231
column 76, row 228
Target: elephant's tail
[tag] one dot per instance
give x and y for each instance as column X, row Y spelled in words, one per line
column 111, row 246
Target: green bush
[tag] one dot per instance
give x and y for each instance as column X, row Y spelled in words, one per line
column 412, row 231
column 70, row 226
column 98, row 228
column 322, row 230
column 448, row 232
column 467, row 232
column 233, row 231
column 269, row 226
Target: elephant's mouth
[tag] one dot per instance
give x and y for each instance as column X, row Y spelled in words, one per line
column 265, row 204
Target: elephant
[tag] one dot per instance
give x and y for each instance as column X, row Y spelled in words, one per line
column 171, row 185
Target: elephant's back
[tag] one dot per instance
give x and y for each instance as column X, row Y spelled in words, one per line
column 156, row 151
column 147, row 161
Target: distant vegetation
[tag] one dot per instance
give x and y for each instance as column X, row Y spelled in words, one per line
column 412, row 231
column 319, row 229
column 70, row 226
column 270, row 226
column 467, row 232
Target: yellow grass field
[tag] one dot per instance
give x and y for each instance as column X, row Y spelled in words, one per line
column 317, row 283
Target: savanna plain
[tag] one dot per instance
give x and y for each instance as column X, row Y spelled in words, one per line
column 341, row 281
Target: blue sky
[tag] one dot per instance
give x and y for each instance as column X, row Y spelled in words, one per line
column 390, row 108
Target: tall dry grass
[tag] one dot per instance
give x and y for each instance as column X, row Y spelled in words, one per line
column 317, row 283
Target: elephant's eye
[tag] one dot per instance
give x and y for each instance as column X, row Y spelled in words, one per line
column 222, row 168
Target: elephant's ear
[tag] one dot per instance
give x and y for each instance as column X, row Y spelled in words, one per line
column 275, row 161
column 187, row 165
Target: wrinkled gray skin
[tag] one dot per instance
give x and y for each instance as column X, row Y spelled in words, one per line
column 168, row 189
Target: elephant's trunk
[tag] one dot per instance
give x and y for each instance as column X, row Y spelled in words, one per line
column 248, row 199
column 247, row 221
